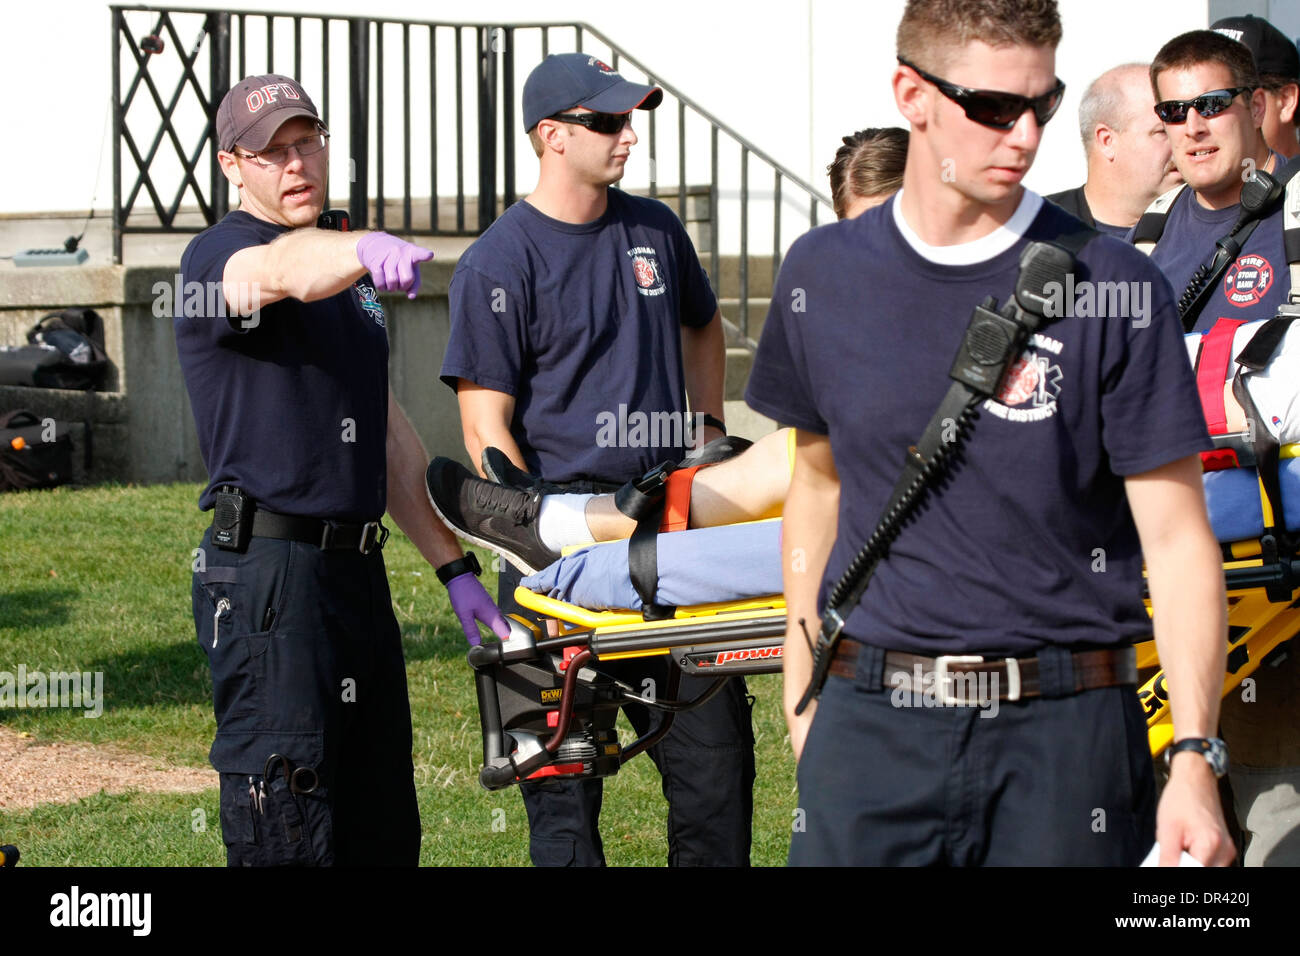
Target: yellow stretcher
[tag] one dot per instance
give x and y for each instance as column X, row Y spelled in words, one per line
column 544, row 711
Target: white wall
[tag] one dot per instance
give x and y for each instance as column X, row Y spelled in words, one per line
column 791, row 76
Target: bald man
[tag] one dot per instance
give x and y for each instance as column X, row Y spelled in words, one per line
column 1129, row 160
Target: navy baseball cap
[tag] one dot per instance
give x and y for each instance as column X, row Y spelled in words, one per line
column 255, row 107
column 1274, row 53
column 565, row 80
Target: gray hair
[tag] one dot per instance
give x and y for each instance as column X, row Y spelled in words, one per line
column 1104, row 102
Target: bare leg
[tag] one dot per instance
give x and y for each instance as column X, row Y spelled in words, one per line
column 745, row 488
column 750, row 486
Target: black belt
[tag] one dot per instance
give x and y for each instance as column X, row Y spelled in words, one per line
column 1018, row 677
column 326, row 535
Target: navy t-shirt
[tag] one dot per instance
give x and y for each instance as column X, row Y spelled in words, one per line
column 1031, row 542
column 581, row 324
column 1256, row 283
column 293, row 410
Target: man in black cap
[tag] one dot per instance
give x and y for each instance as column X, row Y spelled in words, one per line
column 286, row 366
column 1278, row 63
column 579, row 304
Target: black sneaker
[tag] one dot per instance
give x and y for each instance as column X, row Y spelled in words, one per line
column 488, row 514
column 498, row 467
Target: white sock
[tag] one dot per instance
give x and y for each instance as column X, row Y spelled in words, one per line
column 563, row 521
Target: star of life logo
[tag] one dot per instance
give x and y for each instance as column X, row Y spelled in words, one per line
column 646, row 271
column 1248, row 280
column 1032, row 386
column 369, row 300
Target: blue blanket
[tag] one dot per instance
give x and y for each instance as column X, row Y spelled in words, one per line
column 733, row 562
column 699, row 566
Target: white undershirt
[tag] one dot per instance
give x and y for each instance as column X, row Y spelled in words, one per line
column 977, row 250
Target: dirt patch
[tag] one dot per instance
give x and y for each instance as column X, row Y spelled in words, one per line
column 36, row 772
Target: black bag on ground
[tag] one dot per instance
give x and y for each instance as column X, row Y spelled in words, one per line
column 65, row 350
column 34, row 453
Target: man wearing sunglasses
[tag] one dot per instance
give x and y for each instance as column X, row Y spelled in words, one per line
column 286, row 365
column 1209, row 99
column 1127, row 152
column 1088, row 448
column 1278, row 63
column 581, row 302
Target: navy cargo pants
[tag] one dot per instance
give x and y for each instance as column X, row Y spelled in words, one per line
column 306, row 662
column 706, row 762
column 1063, row 781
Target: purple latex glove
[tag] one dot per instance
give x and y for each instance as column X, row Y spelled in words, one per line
column 394, row 264
column 470, row 601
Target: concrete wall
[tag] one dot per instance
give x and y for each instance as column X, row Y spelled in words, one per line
column 143, row 425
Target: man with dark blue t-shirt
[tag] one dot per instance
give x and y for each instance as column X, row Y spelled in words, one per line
column 581, row 324
column 1028, row 556
column 1216, row 141
column 1216, row 151
column 284, row 349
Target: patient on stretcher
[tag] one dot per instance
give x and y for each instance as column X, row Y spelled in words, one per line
column 721, row 554
column 724, row 549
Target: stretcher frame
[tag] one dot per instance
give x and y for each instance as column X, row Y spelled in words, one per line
column 745, row 638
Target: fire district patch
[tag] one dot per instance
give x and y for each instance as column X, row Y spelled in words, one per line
column 1248, row 280
column 646, row 271
column 1032, row 385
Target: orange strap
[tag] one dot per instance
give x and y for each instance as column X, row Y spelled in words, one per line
column 677, row 499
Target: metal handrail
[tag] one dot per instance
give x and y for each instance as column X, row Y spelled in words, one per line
column 222, row 32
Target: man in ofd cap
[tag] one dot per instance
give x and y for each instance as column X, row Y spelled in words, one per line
column 581, row 302
column 305, row 449
column 1278, row 63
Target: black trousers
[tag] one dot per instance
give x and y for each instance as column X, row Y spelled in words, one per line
column 306, row 662
column 1042, row 782
column 706, row 763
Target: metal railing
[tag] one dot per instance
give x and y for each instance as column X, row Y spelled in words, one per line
column 172, row 150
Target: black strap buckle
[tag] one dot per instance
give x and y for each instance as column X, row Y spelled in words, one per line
column 373, row 535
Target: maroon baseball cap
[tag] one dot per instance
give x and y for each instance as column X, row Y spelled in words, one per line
column 255, row 107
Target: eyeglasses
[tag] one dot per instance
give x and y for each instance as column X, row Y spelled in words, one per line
column 1207, row 104
column 279, row 155
column 993, row 108
column 606, row 123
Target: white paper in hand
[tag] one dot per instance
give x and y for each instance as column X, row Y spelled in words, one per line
column 1153, row 858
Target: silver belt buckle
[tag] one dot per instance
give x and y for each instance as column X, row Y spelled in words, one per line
column 942, row 677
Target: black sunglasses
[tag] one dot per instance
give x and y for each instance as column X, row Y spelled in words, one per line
column 993, row 108
column 1207, row 104
column 596, row 122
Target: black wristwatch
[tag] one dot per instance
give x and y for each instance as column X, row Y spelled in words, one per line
column 1213, row 749
column 454, row 569
column 711, row 422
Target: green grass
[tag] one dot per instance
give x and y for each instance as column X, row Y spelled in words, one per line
column 98, row 579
